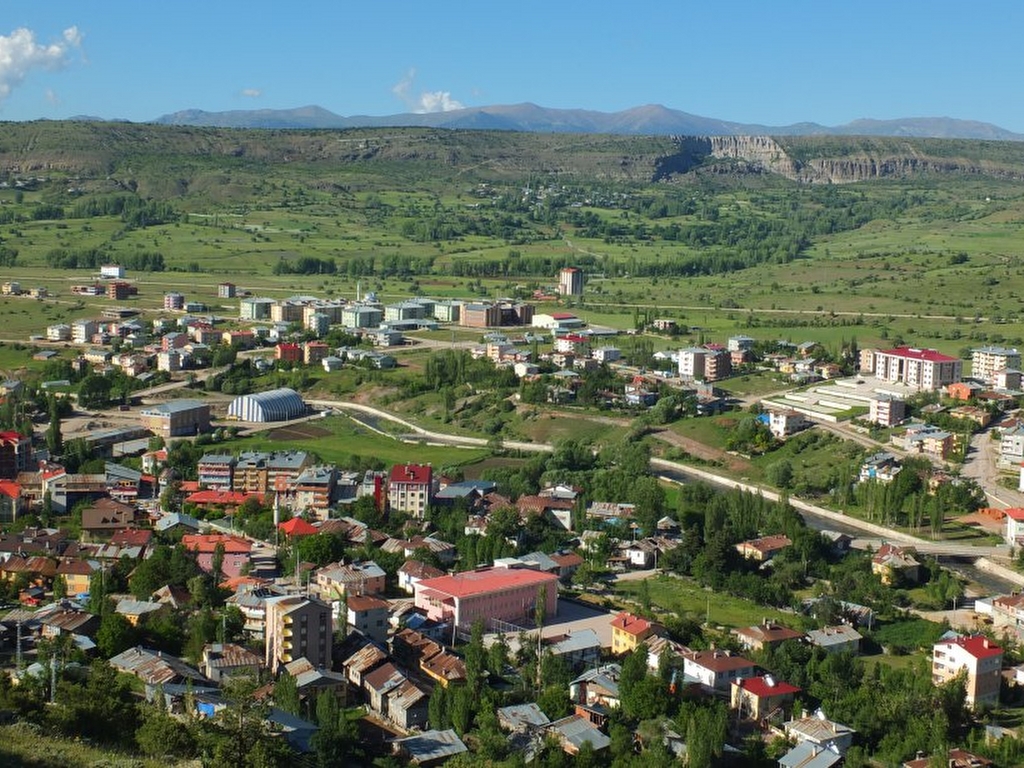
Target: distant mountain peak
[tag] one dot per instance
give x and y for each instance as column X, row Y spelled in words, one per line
column 646, row 119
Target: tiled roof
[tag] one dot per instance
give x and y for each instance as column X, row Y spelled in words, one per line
column 927, row 355
column 978, row 646
column 766, row 686
column 486, row 580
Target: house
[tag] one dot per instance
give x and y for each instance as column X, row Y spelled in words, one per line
column 430, row 747
column 504, row 594
column 311, row 681
column 138, row 611
column 761, row 696
column 362, row 662
column 105, row 517
column 628, row 631
column 221, row 660
column 360, row 578
column 979, row 657
column 155, row 668
column 892, row 564
column 881, row 466
column 407, row 705
column 1014, row 531
column 765, row 635
column 956, row 758
column 554, row 510
column 369, row 615
column 716, row 670
column 641, row 554
column 579, row 649
column 521, row 717
column 782, row 423
column 412, row 572
column 235, row 551
column 1011, row 444
column 574, row 731
column 410, row 488
column 378, row 683
column 597, row 686
column 808, row 755
column 819, row 731
column 764, row 548
column 841, row 638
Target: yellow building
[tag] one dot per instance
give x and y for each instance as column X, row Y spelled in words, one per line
column 628, row 631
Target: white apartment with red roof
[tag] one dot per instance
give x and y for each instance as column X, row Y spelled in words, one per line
column 982, row 660
column 917, row 368
column 410, row 488
column 1014, row 525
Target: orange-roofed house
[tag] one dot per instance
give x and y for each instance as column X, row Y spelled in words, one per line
column 759, row 697
column 765, row 635
column 10, row 501
column 297, row 527
column 764, row 548
column 505, row 594
column 236, row 551
column 212, row 497
column 1014, row 532
column 892, row 563
column 628, row 631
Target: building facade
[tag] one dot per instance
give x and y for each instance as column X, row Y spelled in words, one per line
column 298, row 627
column 917, row 368
column 504, row 594
column 570, row 282
column 979, row 658
column 410, row 487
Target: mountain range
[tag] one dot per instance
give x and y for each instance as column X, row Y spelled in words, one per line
column 652, row 119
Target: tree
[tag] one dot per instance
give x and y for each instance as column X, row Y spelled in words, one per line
column 60, row 587
column 336, row 738
column 54, row 438
column 161, row 735
column 286, row 694
column 244, row 739
column 116, row 634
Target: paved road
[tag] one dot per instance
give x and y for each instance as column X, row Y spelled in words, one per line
column 981, row 468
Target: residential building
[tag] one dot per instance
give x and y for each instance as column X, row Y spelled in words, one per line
column 579, row 650
column 480, row 315
column 882, row 467
column 1011, row 444
column 782, row 423
column 760, row 696
column 111, row 272
column 570, row 282
column 174, row 301
column 502, row 594
column 986, row 362
column 842, row 638
column 892, row 564
column 410, row 487
column 955, row 758
column 261, row 472
column 369, row 615
column 251, row 308
column 808, row 755
column 430, row 747
column 225, row 290
column 15, row 454
column 362, row 578
column 764, row 548
column 692, row 361
column 58, row 332
column 917, row 368
column 362, row 316
column 716, row 670
column 413, row 571
column 215, row 471
column 818, row 730
column 297, row 627
column 1014, row 531
column 597, row 686
column 628, row 631
column 235, row 551
column 979, row 657
column 765, row 635
column 574, row 731
column 177, row 418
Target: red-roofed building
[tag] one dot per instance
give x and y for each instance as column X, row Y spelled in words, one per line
column 628, row 631
column 132, row 537
column 507, row 594
column 716, row 670
column 917, row 368
column 288, row 352
column 760, row 697
column 764, row 548
column 236, row 551
column 1014, row 534
column 10, row 501
column 15, row 454
column 215, row 498
column 976, row 655
column 410, row 487
column 297, row 527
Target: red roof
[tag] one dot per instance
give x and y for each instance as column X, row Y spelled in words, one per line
column 132, row 537
column 720, row 661
column 420, row 474
column 218, row 497
column 928, row 355
column 11, row 437
column 10, row 488
column 563, row 316
column 297, row 527
column 630, row 624
column 207, row 542
column 758, row 686
column 979, row 646
column 1015, row 513
column 484, row 580
column 360, row 603
column 575, row 338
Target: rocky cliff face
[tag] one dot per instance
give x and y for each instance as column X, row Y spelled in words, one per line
column 763, row 154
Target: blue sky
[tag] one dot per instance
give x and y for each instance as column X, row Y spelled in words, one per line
column 745, row 61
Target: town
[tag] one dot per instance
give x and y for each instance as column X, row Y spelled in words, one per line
column 242, row 585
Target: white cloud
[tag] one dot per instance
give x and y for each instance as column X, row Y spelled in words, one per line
column 20, row 54
column 426, row 101
column 51, row 96
column 252, row 93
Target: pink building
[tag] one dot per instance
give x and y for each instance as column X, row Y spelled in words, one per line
column 507, row 594
column 236, row 551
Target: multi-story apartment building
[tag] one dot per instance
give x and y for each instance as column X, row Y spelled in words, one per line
column 216, row 471
column 58, row 332
column 259, row 472
column 886, row 410
column 979, row 657
column 628, row 631
column 255, row 308
column 174, row 301
column 986, row 362
column 918, row 368
column 15, row 454
column 82, row 331
column 410, row 487
column 297, row 627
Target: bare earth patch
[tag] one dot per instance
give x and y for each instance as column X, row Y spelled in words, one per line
column 299, row 432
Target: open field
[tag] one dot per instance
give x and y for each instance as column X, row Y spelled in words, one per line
column 27, row 747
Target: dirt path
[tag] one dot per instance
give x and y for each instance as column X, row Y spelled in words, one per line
column 702, row 451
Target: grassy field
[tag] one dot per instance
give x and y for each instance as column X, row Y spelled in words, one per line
column 24, row 747
column 687, row 598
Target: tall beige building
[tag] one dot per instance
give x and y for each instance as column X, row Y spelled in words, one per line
column 979, row 658
column 298, row 627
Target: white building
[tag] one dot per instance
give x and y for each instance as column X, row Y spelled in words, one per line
column 886, row 410
column 692, row 361
column 1014, row 526
column 784, row 423
column 918, row 368
column 979, row 657
column 58, row 332
column 112, row 272
column 570, row 282
column 986, row 362
column 607, row 354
